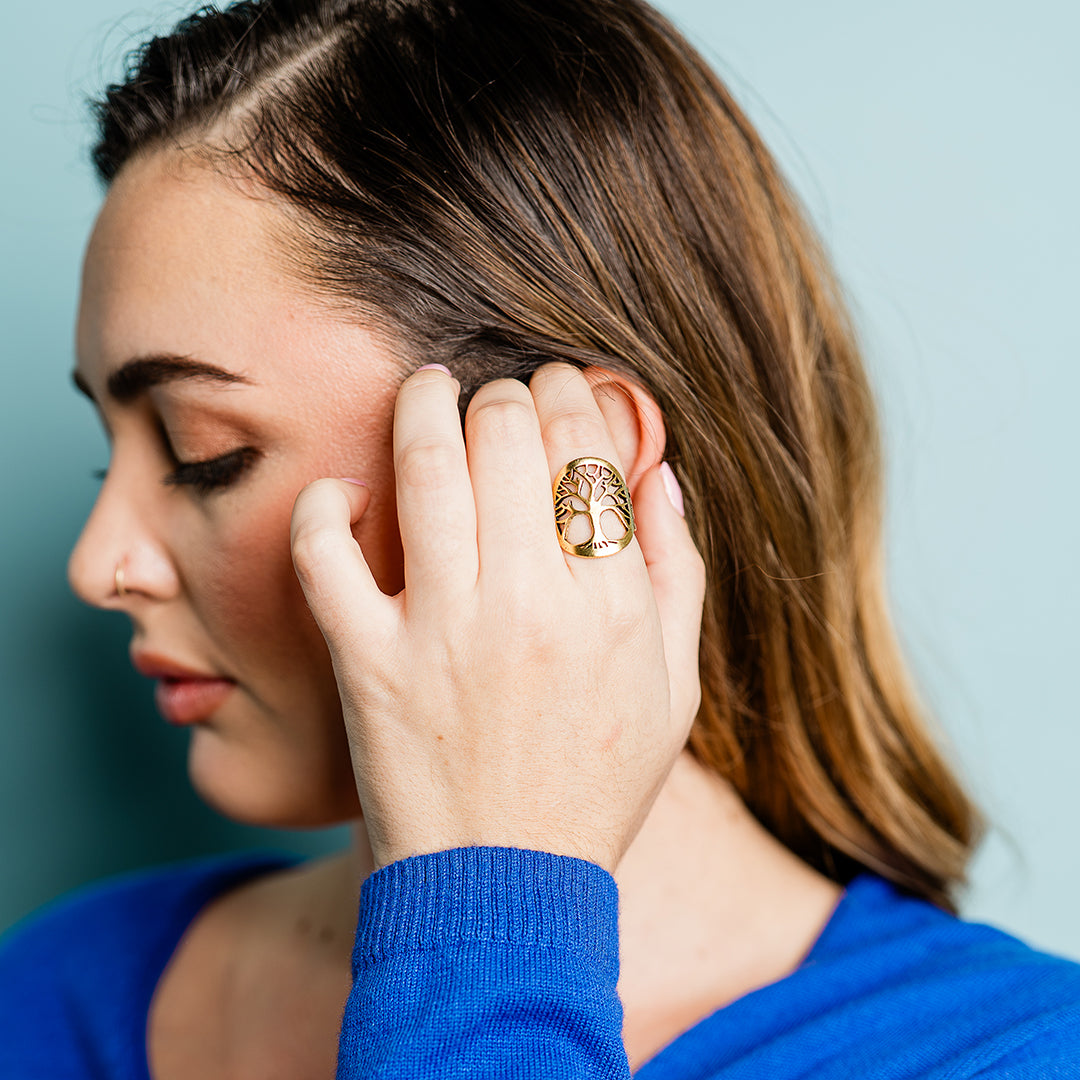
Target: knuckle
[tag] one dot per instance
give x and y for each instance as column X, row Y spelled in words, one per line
column 553, row 374
column 627, row 608
column 311, row 543
column 428, row 463
column 579, row 428
column 501, row 388
column 501, row 419
column 528, row 623
column 623, row 613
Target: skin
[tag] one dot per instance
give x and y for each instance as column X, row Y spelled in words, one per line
column 209, row 578
column 183, row 263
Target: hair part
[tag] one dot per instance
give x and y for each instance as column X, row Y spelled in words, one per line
column 505, row 182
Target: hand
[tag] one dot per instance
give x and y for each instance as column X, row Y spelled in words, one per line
column 510, row 694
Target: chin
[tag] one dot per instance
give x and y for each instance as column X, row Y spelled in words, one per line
column 252, row 790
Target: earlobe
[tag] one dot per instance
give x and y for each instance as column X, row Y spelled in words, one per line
column 634, row 419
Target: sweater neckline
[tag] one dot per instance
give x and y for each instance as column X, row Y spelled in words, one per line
column 863, row 893
column 215, row 877
column 220, row 875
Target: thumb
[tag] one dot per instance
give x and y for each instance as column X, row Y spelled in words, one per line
column 337, row 582
column 677, row 572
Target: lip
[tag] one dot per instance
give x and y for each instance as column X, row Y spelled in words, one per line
column 191, row 701
column 183, row 695
column 158, row 666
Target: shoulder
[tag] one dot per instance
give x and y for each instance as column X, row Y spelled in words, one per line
column 897, row 989
column 118, row 918
column 77, row 976
column 946, row 990
column 901, row 937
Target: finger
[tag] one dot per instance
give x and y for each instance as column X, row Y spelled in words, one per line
column 511, row 485
column 435, row 508
column 677, row 572
column 572, row 426
column 343, row 596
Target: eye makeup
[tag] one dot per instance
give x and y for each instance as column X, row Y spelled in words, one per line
column 213, row 474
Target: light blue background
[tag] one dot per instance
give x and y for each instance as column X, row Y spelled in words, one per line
column 935, row 145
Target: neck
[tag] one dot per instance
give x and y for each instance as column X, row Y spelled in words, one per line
column 711, row 907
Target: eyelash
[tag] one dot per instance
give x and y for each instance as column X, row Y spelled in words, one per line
column 207, row 476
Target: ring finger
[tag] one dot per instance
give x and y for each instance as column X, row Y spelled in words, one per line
column 593, row 513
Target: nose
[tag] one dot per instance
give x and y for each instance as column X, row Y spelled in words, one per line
column 120, row 558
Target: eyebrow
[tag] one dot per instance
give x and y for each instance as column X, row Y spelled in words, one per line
column 137, row 376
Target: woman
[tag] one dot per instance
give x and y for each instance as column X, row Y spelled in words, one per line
column 370, row 280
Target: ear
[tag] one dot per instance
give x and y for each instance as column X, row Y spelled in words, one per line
column 634, row 419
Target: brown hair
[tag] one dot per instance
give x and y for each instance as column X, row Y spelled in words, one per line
column 503, row 182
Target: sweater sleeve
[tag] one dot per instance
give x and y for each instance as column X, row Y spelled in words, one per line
column 485, row 962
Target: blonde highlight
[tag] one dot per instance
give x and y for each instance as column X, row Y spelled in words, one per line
column 575, row 183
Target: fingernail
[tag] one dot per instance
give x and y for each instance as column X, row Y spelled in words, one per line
column 353, row 480
column 671, row 486
column 441, row 367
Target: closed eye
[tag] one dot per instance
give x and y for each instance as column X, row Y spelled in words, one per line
column 216, row 473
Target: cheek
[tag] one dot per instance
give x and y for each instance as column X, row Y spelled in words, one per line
column 247, row 591
column 363, row 448
column 244, row 586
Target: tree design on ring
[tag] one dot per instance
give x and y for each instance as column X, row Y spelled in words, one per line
column 590, row 487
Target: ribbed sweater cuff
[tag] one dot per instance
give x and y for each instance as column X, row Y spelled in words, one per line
column 488, row 894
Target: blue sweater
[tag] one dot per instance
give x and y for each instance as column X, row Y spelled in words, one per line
column 495, row 962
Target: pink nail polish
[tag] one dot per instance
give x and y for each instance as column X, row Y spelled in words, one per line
column 353, row 480
column 440, row 367
column 671, row 486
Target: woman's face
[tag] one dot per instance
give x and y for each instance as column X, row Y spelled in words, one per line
column 182, row 270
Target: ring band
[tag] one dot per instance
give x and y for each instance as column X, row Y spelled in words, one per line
column 594, row 516
column 118, row 579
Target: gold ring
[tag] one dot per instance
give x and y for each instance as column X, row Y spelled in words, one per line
column 118, row 578
column 594, row 516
